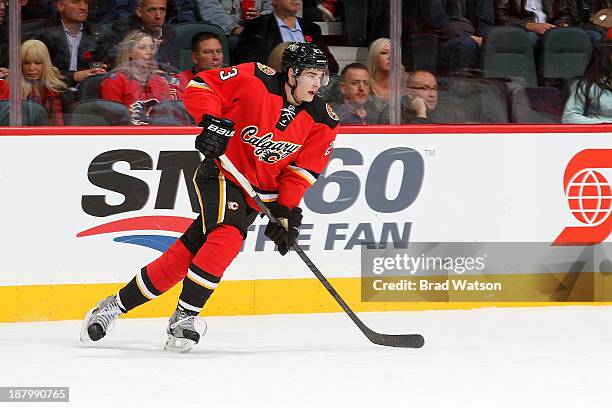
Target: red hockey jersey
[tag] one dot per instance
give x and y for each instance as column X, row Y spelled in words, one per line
column 280, row 148
column 138, row 97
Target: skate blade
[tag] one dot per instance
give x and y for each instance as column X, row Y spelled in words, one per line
column 178, row 344
column 84, row 334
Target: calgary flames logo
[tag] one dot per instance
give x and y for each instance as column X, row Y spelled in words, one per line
column 331, row 113
column 267, row 149
column 266, row 69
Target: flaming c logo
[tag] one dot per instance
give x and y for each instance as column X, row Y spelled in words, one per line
column 589, row 195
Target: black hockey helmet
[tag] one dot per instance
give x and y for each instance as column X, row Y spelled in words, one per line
column 303, row 55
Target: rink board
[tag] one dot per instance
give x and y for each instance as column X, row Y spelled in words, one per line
column 83, row 209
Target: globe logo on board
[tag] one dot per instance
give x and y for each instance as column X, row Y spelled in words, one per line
column 590, row 197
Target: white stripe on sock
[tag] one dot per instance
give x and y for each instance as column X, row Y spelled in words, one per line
column 201, row 281
column 143, row 288
column 119, row 302
column 189, row 307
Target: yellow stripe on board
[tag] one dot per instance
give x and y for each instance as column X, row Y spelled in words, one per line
column 69, row 302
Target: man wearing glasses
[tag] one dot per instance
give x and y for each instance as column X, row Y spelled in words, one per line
column 421, row 104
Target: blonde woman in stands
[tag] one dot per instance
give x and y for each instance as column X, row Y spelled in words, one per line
column 135, row 82
column 276, row 55
column 590, row 99
column 41, row 81
column 379, row 66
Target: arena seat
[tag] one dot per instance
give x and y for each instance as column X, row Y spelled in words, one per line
column 32, row 113
column 481, row 100
column 89, row 88
column 566, row 52
column 508, row 52
column 99, row 112
column 31, row 29
column 422, row 50
column 171, row 113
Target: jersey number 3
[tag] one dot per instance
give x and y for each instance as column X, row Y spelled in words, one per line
column 227, row 75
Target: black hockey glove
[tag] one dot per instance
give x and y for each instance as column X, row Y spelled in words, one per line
column 215, row 136
column 285, row 232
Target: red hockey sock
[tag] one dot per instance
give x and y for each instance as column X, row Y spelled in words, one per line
column 221, row 247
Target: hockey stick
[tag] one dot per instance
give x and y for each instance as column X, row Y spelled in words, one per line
column 391, row 340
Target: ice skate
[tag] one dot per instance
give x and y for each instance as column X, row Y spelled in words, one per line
column 184, row 331
column 101, row 319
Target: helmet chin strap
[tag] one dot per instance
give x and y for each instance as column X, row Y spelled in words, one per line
column 294, row 87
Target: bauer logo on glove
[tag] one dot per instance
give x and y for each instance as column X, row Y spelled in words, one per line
column 215, row 136
column 222, row 131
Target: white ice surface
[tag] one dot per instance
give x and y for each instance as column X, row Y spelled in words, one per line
column 541, row 357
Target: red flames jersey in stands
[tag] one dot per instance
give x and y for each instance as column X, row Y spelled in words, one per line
column 183, row 80
column 137, row 96
column 280, row 148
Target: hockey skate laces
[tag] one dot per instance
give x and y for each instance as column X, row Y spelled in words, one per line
column 184, row 319
column 107, row 317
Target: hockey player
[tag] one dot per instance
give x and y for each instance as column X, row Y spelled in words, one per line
column 283, row 134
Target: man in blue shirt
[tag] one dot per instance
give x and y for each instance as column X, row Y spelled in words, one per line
column 263, row 33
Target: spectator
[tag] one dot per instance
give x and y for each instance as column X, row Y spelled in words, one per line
column 229, row 16
column 41, row 81
column 150, row 17
column 590, row 99
column 135, row 82
column 179, row 11
column 182, row 11
column 206, row 53
column 76, row 44
column 379, row 66
column 582, row 14
column 460, row 26
column 422, row 104
column 535, row 16
column 263, row 33
column 276, row 56
column 355, row 90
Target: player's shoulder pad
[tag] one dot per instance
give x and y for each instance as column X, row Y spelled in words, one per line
column 270, row 78
column 322, row 112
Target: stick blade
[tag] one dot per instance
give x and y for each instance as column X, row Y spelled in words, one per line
column 397, row 340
